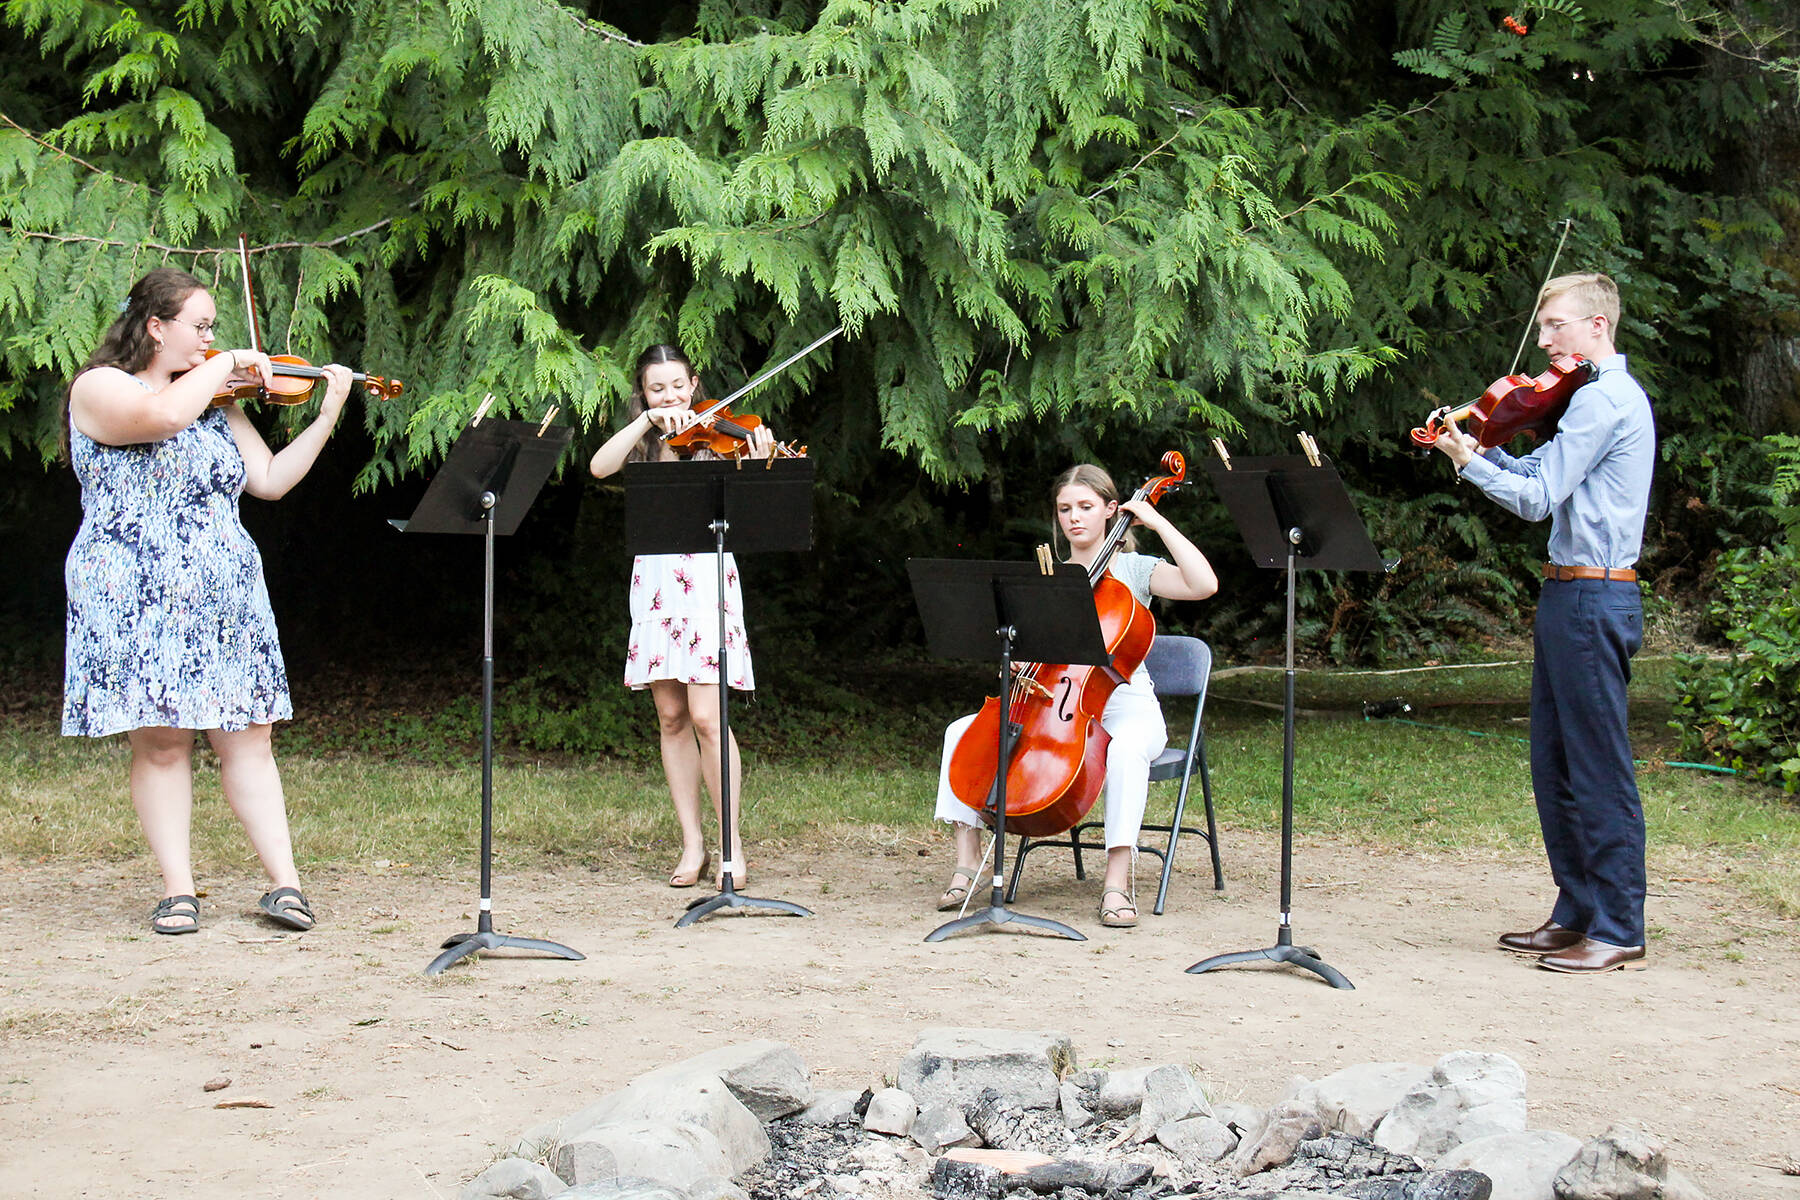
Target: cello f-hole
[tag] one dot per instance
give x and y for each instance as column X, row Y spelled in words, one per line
column 1062, row 701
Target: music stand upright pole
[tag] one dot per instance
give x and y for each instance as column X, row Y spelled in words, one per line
column 996, row 912
column 460, row 945
column 1284, row 950
column 728, row 896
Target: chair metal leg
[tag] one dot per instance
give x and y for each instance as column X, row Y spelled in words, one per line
column 1212, row 824
column 1168, row 859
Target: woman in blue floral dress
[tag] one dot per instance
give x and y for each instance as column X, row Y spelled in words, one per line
column 169, row 625
column 674, row 648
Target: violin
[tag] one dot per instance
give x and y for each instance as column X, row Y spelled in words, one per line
column 293, row 383
column 727, row 434
column 1058, row 763
column 294, row 376
column 1514, row 404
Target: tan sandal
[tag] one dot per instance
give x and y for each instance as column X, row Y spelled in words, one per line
column 1116, row 917
column 687, row 879
column 957, row 893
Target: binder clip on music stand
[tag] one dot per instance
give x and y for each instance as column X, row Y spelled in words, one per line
column 972, row 609
column 709, row 508
column 1292, row 511
column 488, row 481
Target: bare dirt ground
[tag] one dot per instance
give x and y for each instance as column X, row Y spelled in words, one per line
column 380, row 1082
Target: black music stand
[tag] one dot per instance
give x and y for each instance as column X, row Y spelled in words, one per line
column 488, row 481
column 1291, row 511
column 690, row 508
column 970, row 609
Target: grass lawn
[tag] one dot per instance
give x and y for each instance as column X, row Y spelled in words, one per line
column 1451, row 773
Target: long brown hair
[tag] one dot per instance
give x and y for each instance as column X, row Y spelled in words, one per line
column 650, row 445
column 1089, row 476
column 127, row 343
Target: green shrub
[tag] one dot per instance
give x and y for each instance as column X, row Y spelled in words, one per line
column 1745, row 710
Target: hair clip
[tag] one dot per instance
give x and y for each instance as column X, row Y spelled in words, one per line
column 125, row 304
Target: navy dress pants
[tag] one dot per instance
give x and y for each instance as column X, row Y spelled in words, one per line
column 1581, row 768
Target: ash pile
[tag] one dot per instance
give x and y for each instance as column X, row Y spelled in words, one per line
column 987, row 1114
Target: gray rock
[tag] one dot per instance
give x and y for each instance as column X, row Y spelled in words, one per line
column 1171, row 1093
column 1288, row 1124
column 623, row 1189
column 891, row 1111
column 832, row 1108
column 1623, row 1164
column 1197, row 1140
column 1355, row 1099
column 690, row 1098
column 1075, row 1113
column 1246, row 1119
column 1425, row 1185
column 672, row 1153
column 941, row 1126
column 953, row 1066
column 514, row 1179
column 1469, row 1095
column 1121, row 1093
column 1522, row 1166
column 713, row 1187
column 767, row 1077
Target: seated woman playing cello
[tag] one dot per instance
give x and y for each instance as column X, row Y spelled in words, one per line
column 1087, row 504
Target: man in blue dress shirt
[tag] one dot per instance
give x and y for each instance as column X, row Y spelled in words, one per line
column 1592, row 479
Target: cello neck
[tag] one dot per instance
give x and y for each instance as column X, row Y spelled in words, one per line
column 1115, row 538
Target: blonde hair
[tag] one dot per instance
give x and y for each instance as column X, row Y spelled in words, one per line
column 1595, row 292
column 1096, row 479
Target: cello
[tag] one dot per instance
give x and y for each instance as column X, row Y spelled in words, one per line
column 1058, row 763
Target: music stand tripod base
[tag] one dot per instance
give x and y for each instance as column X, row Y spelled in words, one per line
column 997, row 914
column 729, row 897
column 1284, row 951
column 460, row 945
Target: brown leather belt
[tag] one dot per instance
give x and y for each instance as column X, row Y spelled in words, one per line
column 1563, row 574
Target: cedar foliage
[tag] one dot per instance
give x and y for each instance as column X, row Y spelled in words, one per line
column 1020, row 212
column 1054, row 229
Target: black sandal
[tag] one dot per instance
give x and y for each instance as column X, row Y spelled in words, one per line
column 286, row 906
column 176, row 908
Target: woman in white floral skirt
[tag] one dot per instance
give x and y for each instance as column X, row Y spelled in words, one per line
column 674, row 648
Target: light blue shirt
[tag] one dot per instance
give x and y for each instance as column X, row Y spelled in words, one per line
column 1592, row 479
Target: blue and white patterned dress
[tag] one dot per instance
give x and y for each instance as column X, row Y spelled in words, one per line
column 169, row 623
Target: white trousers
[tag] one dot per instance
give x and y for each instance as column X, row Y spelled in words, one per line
column 1135, row 720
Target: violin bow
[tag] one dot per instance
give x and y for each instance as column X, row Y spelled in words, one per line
column 1568, row 224
column 773, row 371
column 249, row 295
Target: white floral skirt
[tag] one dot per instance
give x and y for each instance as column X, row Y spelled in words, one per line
column 675, row 622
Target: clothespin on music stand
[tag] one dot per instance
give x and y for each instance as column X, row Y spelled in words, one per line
column 486, row 403
column 1218, row 445
column 1046, row 562
column 1310, row 448
column 548, row 417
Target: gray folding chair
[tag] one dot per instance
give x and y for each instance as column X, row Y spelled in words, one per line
column 1179, row 666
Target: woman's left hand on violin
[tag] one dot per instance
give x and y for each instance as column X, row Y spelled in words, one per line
column 338, row 382
column 760, row 443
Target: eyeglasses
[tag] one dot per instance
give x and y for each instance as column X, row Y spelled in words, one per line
column 203, row 328
column 1553, row 326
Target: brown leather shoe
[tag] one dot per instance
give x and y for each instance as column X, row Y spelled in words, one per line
column 1545, row 939
column 1588, row 957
